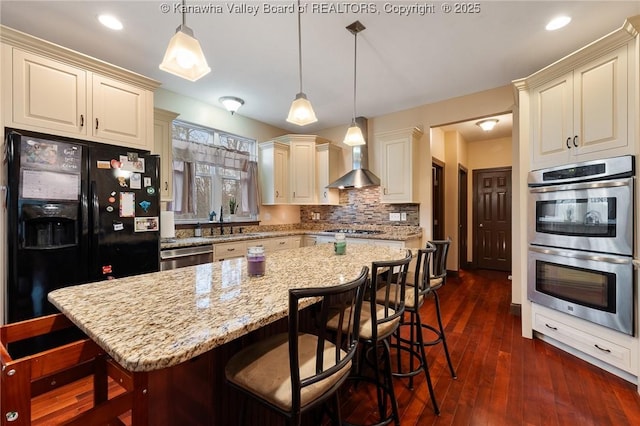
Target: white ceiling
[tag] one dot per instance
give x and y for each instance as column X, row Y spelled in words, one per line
column 403, row 61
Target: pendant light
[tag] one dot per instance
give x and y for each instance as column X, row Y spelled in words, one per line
column 354, row 134
column 301, row 111
column 184, row 56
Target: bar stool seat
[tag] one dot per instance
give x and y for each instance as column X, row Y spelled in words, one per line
column 296, row 371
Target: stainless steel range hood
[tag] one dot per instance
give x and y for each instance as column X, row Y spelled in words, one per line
column 359, row 176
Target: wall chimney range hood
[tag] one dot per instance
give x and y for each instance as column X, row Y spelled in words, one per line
column 359, row 176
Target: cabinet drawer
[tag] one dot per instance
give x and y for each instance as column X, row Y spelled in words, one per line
column 275, row 244
column 595, row 346
column 229, row 250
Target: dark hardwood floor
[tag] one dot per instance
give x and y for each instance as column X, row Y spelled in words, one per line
column 503, row 379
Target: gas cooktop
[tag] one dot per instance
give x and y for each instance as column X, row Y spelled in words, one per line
column 355, row 231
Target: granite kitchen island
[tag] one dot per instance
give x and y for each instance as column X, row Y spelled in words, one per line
column 177, row 328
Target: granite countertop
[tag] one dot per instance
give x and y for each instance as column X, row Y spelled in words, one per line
column 158, row 320
column 391, row 233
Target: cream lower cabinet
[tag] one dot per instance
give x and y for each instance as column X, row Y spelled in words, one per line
column 234, row 249
column 412, row 243
column 49, row 89
column 399, row 165
column 583, row 114
column 608, row 346
column 230, row 250
column 163, row 146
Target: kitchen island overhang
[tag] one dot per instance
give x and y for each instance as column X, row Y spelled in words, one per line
column 159, row 320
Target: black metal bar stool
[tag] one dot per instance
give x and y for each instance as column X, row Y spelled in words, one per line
column 415, row 295
column 437, row 280
column 380, row 318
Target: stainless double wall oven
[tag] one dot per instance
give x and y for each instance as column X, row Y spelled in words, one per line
column 581, row 241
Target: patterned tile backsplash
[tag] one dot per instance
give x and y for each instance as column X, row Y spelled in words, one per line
column 361, row 207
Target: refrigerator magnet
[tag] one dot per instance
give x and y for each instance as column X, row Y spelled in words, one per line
column 146, row 224
column 145, row 205
column 135, row 181
column 112, row 199
column 115, row 164
column 110, row 209
column 151, row 190
column 132, row 166
column 100, row 164
column 122, row 181
column 118, row 226
column 127, row 204
column 147, row 181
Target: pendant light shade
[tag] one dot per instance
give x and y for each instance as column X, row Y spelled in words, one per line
column 184, row 56
column 354, row 135
column 301, row 111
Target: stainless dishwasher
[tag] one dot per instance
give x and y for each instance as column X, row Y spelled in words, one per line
column 185, row 256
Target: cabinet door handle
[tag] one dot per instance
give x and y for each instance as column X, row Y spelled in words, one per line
column 166, row 186
column 603, row 349
column 325, row 194
column 81, row 120
column 97, row 124
column 551, row 327
column 277, row 194
column 575, row 141
column 568, row 140
column 231, row 249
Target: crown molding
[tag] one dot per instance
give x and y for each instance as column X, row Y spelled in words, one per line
column 56, row 52
column 583, row 56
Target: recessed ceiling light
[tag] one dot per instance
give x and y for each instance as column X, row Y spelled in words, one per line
column 110, row 21
column 557, row 23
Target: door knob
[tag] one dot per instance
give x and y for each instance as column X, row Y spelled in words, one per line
column 481, row 225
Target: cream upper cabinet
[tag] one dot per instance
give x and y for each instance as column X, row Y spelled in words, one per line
column 328, row 170
column 50, row 89
column 398, row 167
column 274, row 172
column 48, row 94
column 289, row 170
column 120, row 112
column 163, row 146
column 302, row 169
column 583, row 114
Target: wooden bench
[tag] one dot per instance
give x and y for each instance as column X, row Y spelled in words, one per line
column 24, row 378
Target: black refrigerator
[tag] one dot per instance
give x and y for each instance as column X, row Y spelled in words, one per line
column 77, row 212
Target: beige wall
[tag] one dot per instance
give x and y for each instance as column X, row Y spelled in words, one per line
column 485, row 154
column 197, row 112
column 437, row 144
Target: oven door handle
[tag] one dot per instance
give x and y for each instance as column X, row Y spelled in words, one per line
column 586, row 185
column 581, row 256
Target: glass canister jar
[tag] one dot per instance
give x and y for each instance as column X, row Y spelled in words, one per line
column 340, row 244
column 256, row 261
